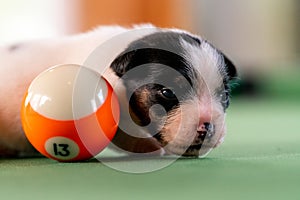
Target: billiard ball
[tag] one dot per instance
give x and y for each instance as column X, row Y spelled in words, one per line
column 70, row 113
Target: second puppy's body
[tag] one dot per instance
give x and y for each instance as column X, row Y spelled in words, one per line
column 193, row 114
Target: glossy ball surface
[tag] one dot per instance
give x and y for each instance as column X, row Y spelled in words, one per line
column 70, row 113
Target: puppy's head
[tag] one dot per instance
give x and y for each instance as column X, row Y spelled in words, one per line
column 178, row 87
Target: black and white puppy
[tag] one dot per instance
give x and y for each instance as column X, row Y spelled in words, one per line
column 173, row 87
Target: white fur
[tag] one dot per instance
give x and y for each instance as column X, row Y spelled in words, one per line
column 19, row 67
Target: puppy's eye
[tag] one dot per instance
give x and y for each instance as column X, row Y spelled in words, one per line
column 167, row 93
column 225, row 98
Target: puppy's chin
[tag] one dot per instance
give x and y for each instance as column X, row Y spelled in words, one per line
column 190, row 149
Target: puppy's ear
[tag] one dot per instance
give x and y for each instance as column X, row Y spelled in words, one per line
column 121, row 63
column 230, row 68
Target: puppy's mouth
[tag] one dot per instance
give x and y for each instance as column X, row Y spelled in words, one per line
column 201, row 136
column 202, row 144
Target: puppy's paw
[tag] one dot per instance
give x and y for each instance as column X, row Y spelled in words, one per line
column 16, row 153
column 148, row 146
column 135, row 146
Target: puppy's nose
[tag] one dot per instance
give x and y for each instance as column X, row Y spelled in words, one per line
column 205, row 130
column 206, row 126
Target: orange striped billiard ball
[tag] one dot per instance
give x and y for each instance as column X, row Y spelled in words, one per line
column 70, row 113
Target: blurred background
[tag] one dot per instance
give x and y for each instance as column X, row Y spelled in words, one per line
column 260, row 36
column 260, row 158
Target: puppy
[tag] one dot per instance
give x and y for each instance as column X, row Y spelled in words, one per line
column 173, row 87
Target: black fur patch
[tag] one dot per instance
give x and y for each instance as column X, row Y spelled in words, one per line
column 162, row 48
column 150, row 57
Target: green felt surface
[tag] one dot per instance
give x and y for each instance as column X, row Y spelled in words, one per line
column 260, row 159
